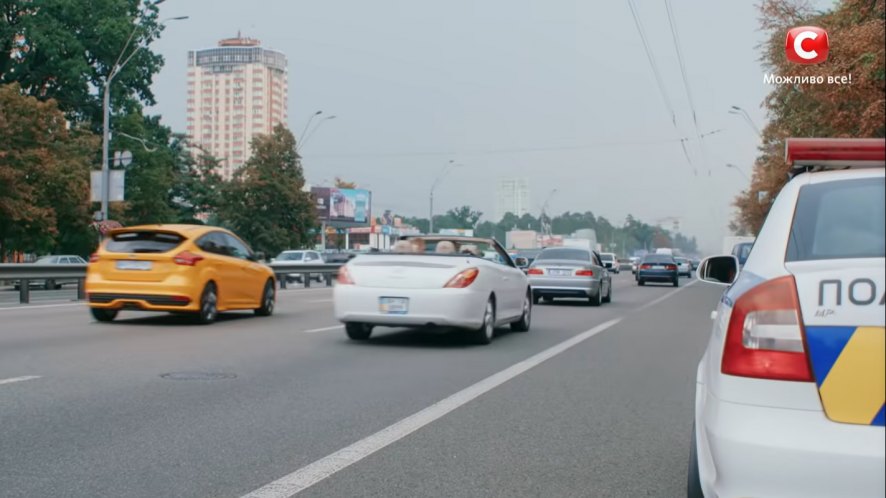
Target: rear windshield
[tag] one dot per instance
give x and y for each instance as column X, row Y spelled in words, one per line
column 658, row 258
column 836, row 220
column 144, row 242
column 291, row 256
column 567, row 254
column 607, row 257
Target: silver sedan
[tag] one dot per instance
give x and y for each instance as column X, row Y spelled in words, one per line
column 572, row 273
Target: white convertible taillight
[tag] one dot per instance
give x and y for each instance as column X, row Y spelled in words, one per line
column 344, row 276
column 463, row 279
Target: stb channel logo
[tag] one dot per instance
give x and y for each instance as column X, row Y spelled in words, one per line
column 807, row 45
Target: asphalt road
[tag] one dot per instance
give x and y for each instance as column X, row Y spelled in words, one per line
column 87, row 410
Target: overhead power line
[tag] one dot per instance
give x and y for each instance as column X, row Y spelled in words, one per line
column 652, row 63
column 672, row 22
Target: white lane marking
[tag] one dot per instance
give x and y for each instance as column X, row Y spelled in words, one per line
column 324, row 329
column 313, row 473
column 18, row 379
column 662, row 298
column 300, row 291
column 36, row 306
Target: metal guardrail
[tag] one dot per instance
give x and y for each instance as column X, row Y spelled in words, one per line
column 283, row 270
column 24, row 273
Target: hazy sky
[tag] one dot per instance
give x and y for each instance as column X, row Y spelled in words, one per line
column 558, row 91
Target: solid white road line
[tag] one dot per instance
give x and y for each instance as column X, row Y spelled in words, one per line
column 18, row 379
column 324, row 329
column 313, row 473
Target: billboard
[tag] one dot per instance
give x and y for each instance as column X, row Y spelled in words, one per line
column 342, row 207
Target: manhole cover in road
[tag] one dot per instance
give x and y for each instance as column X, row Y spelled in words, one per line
column 198, row 376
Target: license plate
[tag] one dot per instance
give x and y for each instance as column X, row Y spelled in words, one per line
column 134, row 265
column 561, row 273
column 393, row 305
column 658, row 267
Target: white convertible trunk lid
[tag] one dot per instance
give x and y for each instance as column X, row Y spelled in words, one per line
column 406, row 271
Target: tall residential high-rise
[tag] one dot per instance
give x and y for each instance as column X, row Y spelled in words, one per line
column 511, row 196
column 235, row 91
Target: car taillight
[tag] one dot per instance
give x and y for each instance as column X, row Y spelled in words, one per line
column 535, row 271
column 671, row 267
column 344, row 276
column 187, row 258
column 764, row 339
column 584, row 273
column 645, row 267
column 93, row 258
column 463, row 279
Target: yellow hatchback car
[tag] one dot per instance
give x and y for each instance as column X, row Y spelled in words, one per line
column 195, row 269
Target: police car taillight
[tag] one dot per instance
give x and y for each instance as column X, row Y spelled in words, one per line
column 765, row 335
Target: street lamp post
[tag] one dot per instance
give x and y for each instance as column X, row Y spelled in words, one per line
column 312, row 132
column 741, row 171
column 747, row 117
column 106, row 112
column 545, row 225
column 443, row 173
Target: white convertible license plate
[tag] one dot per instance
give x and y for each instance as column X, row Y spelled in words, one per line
column 134, row 265
column 393, row 305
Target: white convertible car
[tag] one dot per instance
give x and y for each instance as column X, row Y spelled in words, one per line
column 434, row 281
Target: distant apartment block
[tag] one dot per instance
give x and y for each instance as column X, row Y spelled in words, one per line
column 235, row 91
column 511, row 196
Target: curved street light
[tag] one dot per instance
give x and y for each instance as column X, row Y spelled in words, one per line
column 312, row 132
column 741, row 171
column 305, row 131
column 121, row 62
column 747, row 117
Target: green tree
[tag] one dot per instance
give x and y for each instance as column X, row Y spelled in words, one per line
column 264, row 203
column 341, row 183
column 464, row 217
column 197, row 190
column 151, row 176
column 44, row 177
column 65, row 49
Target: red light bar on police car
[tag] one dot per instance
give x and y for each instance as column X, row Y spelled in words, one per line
column 835, row 152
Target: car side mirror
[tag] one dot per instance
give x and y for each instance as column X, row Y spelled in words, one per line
column 521, row 262
column 722, row 270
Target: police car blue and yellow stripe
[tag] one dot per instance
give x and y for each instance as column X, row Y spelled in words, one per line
column 849, row 364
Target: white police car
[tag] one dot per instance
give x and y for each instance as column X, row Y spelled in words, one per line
column 790, row 392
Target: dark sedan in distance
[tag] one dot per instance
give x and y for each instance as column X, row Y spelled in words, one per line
column 658, row 268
